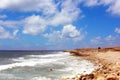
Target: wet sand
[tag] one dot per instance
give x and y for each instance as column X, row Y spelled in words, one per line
column 108, row 60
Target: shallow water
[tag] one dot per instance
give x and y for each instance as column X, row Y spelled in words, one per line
column 42, row 65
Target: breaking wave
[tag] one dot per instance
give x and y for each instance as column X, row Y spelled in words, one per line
column 48, row 66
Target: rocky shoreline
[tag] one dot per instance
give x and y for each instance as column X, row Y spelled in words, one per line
column 109, row 58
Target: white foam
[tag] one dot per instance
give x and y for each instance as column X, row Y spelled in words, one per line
column 29, row 62
column 32, row 60
column 73, row 65
column 59, row 54
column 6, row 76
column 41, row 78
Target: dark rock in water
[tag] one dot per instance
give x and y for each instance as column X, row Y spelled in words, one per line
column 87, row 77
column 50, row 69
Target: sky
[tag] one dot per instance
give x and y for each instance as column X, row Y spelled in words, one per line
column 58, row 24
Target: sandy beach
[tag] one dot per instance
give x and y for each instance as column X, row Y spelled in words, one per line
column 108, row 60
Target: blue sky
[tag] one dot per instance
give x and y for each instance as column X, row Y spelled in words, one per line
column 59, row 24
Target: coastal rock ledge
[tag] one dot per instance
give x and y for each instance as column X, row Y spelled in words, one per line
column 108, row 57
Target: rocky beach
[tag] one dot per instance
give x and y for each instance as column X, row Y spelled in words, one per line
column 108, row 60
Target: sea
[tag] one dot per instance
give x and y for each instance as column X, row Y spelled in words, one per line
column 41, row 65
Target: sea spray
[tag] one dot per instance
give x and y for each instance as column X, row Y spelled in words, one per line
column 51, row 66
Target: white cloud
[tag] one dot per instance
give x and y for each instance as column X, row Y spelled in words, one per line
column 96, row 40
column 90, row 3
column 114, row 8
column 3, row 16
column 106, row 2
column 10, row 23
column 34, row 25
column 117, row 30
column 54, row 37
column 15, row 32
column 64, row 17
column 45, row 6
column 69, row 32
column 4, row 34
column 113, row 5
column 51, row 14
column 103, row 40
column 110, row 38
column 69, row 12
